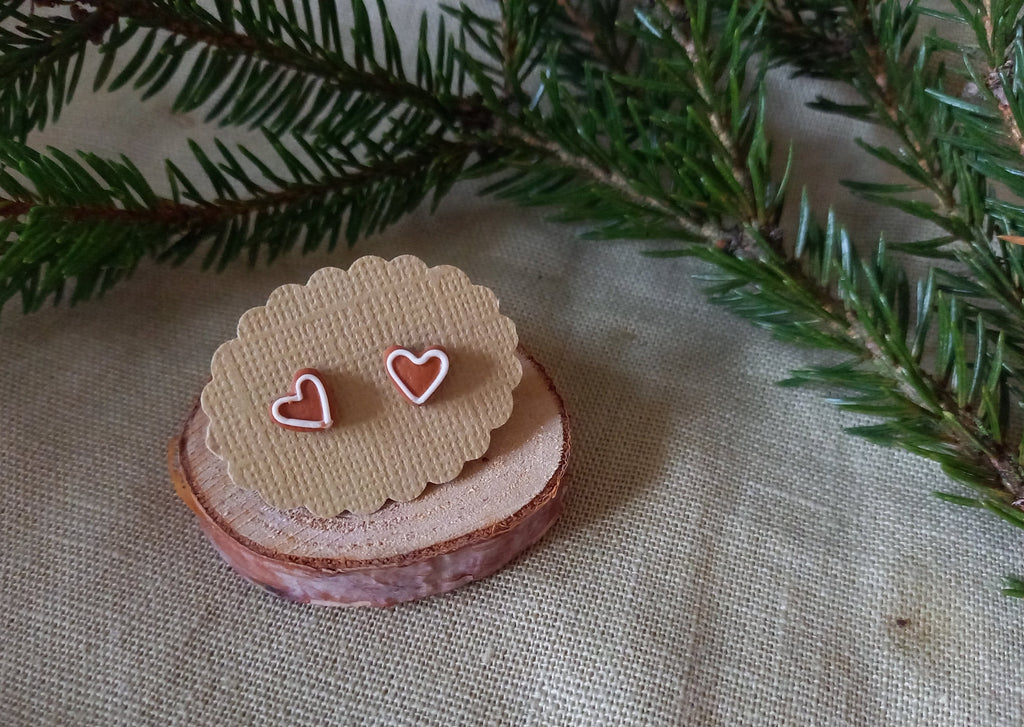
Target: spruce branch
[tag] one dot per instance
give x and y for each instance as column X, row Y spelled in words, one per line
column 936, row 154
column 821, row 295
column 256, row 66
column 655, row 164
column 877, row 38
column 961, row 427
column 616, row 183
column 113, row 219
column 870, row 47
column 294, row 50
column 694, row 39
column 40, row 63
column 1002, row 32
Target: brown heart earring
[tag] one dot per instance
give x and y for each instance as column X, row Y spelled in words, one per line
column 306, row 407
column 417, row 377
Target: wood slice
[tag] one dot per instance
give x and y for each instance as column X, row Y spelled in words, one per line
column 453, row 533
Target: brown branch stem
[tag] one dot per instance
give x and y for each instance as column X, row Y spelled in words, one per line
column 706, row 232
column 994, row 81
column 581, row 22
column 176, row 214
column 185, row 215
column 14, row 207
column 706, row 91
column 895, row 121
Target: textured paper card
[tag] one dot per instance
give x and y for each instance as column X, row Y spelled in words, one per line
column 380, row 446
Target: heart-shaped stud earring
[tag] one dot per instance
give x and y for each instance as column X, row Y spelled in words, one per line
column 417, row 377
column 306, row 406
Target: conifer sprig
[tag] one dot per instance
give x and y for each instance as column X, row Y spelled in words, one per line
column 92, row 220
column 815, row 292
column 257, row 66
column 950, row 145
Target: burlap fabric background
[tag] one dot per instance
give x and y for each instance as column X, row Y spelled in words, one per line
column 728, row 556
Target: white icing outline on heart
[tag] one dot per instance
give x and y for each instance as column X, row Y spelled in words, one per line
column 323, row 423
column 419, row 361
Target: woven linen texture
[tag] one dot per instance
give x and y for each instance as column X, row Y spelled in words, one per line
column 728, row 556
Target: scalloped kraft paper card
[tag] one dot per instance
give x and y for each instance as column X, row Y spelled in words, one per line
column 379, row 445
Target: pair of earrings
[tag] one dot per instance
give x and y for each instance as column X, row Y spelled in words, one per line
column 307, row 405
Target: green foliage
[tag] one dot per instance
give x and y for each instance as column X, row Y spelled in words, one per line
column 256, row 65
column 369, row 139
column 1013, row 586
column 92, row 219
column 643, row 123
